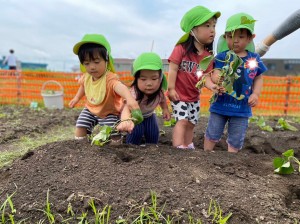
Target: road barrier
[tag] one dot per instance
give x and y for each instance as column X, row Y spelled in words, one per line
column 280, row 95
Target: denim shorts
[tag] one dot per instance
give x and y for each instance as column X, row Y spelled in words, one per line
column 237, row 128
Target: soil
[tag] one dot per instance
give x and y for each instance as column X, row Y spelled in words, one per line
column 124, row 176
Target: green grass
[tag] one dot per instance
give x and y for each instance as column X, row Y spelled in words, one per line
column 148, row 213
column 26, row 144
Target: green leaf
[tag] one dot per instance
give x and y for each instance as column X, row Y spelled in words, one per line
column 261, row 122
column 253, row 119
column 297, row 119
column 173, row 121
column 283, row 124
column 278, row 162
column 288, row 153
column 285, row 170
column 103, row 136
column 137, row 116
column 267, row 128
column 105, row 132
column 204, row 63
column 282, row 166
column 245, row 20
column 236, row 62
column 167, row 123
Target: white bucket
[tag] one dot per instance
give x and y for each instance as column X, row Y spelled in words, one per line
column 53, row 99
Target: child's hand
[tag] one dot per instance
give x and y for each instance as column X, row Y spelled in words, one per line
column 253, row 100
column 220, row 80
column 217, row 89
column 126, row 126
column 221, row 90
column 173, row 96
column 73, row 102
column 166, row 114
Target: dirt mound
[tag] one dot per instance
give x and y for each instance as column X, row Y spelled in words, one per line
column 124, row 176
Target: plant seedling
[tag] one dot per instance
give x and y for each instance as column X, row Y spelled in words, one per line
column 170, row 123
column 104, row 134
column 227, row 76
column 261, row 123
column 284, row 125
column 283, row 165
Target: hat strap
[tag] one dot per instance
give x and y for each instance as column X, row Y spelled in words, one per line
column 196, row 38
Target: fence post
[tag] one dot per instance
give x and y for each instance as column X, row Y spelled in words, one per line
column 287, row 95
column 18, row 77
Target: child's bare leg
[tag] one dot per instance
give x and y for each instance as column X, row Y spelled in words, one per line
column 80, row 133
column 209, row 145
column 231, row 149
column 189, row 134
column 179, row 133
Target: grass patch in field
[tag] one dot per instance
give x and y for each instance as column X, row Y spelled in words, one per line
column 148, row 213
column 26, row 144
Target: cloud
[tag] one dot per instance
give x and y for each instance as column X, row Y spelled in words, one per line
column 47, row 30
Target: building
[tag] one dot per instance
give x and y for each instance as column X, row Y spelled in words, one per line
column 125, row 64
column 26, row 65
column 282, row 67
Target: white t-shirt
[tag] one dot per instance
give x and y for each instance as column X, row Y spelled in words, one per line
column 11, row 60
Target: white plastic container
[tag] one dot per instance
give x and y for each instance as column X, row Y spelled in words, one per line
column 53, row 99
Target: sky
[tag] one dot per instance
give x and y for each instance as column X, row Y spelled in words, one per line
column 45, row 31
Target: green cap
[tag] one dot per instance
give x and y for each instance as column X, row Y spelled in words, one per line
column 195, row 17
column 239, row 21
column 96, row 39
column 149, row 61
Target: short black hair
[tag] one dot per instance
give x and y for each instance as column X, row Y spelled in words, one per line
column 91, row 51
column 11, row 51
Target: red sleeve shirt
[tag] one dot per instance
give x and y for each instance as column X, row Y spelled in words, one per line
column 187, row 79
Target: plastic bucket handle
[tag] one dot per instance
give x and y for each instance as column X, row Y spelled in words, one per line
column 52, row 81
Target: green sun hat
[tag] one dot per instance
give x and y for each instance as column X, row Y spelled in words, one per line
column 195, row 17
column 149, row 61
column 96, row 39
column 237, row 21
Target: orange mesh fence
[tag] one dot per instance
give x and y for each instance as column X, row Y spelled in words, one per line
column 280, row 95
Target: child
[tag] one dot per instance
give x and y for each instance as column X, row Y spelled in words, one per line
column 235, row 110
column 100, row 85
column 199, row 25
column 147, row 88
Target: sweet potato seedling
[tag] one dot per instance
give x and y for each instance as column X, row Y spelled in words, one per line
column 283, row 165
column 227, row 76
column 104, row 135
column 260, row 121
column 282, row 124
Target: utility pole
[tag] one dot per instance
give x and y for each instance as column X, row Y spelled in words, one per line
column 152, row 45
